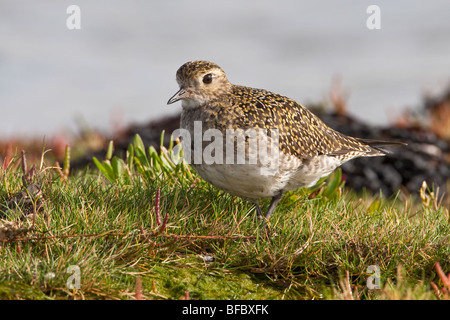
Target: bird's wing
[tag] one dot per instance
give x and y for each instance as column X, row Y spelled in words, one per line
column 301, row 133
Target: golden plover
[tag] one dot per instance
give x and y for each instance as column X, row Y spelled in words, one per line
column 302, row 148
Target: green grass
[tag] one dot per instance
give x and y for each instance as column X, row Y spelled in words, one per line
column 318, row 245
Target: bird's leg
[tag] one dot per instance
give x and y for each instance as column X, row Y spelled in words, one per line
column 273, row 204
column 258, row 209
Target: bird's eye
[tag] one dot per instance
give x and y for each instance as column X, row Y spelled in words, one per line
column 207, row 79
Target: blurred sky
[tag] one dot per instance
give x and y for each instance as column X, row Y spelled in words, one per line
column 121, row 65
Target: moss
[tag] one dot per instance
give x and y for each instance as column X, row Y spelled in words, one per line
column 173, row 282
column 12, row 290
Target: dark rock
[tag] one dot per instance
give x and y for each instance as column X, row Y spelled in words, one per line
column 424, row 158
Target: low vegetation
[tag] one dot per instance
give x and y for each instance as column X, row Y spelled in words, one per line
column 147, row 227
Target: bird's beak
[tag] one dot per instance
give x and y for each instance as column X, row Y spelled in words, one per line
column 181, row 94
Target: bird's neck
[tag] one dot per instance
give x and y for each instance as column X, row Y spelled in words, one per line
column 191, row 104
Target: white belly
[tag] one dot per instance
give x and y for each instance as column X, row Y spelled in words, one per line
column 244, row 180
column 255, row 181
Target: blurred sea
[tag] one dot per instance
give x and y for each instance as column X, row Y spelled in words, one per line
column 120, row 67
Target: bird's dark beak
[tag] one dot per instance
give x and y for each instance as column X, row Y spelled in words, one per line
column 181, row 94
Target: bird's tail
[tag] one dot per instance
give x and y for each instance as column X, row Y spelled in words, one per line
column 378, row 145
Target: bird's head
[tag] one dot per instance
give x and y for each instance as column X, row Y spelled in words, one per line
column 200, row 82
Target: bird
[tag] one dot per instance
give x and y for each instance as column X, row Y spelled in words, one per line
column 303, row 149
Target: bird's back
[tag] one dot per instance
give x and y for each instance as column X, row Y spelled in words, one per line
column 301, row 133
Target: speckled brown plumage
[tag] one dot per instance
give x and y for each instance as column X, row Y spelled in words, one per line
column 309, row 149
column 302, row 134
